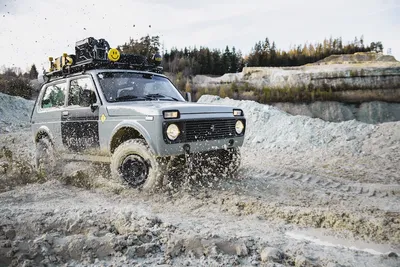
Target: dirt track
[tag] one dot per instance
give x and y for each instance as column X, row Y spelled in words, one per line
column 276, row 213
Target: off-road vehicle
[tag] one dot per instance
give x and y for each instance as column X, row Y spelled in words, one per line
column 100, row 105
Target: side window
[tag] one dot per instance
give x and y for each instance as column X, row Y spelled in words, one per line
column 54, row 95
column 77, row 89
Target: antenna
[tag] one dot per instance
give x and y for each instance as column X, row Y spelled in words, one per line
column 389, row 51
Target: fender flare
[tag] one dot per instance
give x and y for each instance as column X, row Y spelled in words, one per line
column 138, row 127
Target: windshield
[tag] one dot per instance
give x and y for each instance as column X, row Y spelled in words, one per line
column 129, row 86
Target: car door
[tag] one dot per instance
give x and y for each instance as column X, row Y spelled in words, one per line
column 80, row 119
column 49, row 109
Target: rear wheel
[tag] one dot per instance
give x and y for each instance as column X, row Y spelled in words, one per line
column 134, row 164
column 45, row 156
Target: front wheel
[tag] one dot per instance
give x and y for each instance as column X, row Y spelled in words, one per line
column 133, row 163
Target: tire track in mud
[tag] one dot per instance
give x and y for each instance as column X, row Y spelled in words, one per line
column 312, row 182
column 368, row 211
column 381, row 227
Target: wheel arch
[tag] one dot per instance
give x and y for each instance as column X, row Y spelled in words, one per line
column 127, row 131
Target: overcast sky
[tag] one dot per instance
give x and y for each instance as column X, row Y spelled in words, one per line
column 31, row 31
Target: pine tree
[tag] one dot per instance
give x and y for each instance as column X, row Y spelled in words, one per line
column 33, row 73
column 226, row 60
column 234, row 61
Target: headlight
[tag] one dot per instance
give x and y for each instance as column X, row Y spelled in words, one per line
column 173, row 132
column 239, row 127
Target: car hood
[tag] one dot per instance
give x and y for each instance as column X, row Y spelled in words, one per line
column 154, row 108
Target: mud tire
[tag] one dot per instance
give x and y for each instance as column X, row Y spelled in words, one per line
column 138, row 148
column 46, row 159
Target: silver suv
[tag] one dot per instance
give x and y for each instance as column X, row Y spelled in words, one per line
column 133, row 119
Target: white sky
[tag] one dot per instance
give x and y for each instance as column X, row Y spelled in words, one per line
column 31, row 31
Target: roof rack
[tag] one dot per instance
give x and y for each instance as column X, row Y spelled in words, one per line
column 101, row 64
column 97, row 54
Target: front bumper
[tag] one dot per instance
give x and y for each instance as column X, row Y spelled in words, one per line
column 198, row 146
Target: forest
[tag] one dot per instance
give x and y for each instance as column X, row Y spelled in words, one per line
column 208, row 61
column 17, row 83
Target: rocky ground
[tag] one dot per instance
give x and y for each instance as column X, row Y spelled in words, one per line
column 309, row 193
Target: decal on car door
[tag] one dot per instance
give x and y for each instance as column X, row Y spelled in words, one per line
column 80, row 120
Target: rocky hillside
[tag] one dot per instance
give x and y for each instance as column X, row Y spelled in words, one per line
column 14, row 113
column 347, row 78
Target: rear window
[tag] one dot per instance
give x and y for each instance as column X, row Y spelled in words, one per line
column 54, row 95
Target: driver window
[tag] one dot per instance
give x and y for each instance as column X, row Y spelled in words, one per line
column 76, row 89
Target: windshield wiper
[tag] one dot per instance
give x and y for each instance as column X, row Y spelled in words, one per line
column 128, row 97
column 152, row 96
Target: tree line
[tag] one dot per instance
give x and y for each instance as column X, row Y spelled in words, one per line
column 17, row 83
column 203, row 60
column 189, row 61
column 266, row 54
column 193, row 61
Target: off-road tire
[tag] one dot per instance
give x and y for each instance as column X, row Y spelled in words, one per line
column 156, row 166
column 45, row 156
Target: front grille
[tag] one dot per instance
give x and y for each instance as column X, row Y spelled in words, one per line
column 208, row 130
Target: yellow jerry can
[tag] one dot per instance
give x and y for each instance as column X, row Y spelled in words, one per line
column 63, row 61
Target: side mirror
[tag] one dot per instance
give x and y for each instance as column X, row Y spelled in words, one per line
column 87, row 98
column 188, row 97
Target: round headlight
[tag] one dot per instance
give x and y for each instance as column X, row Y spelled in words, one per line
column 239, row 127
column 173, row 132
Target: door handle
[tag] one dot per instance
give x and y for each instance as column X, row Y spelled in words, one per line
column 65, row 113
